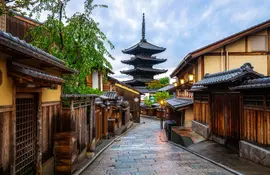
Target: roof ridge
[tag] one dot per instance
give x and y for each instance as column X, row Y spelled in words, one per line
column 244, row 67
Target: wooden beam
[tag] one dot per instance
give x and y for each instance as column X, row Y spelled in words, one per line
column 246, row 43
column 238, row 53
column 202, row 67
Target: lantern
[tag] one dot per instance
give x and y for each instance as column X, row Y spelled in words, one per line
column 152, row 99
column 182, row 81
column 175, row 84
column 191, row 77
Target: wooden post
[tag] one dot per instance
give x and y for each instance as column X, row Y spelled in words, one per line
column 13, row 131
column 39, row 135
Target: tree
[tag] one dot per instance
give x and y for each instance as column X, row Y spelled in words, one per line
column 77, row 40
column 162, row 96
column 6, row 7
column 157, row 84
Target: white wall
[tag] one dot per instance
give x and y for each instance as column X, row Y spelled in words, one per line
column 94, row 79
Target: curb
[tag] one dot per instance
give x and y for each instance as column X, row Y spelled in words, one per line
column 209, row 160
column 102, row 150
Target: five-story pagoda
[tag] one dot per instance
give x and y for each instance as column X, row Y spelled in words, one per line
column 143, row 61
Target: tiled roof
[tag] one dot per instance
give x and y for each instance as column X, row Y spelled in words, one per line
column 197, row 88
column 143, row 46
column 148, row 70
column 166, row 88
column 79, row 96
column 254, row 84
column 228, row 76
column 143, row 80
column 15, row 43
column 143, row 59
column 37, row 74
column 110, row 94
column 144, row 89
column 176, row 103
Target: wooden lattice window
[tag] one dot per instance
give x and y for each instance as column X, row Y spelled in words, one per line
column 201, row 97
column 253, row 100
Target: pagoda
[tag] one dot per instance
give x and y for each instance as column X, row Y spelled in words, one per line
column 143, row 61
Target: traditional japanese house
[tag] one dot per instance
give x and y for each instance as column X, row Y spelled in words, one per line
column 143, row 61
column 254, row 120
column 251, row 45
column 30, row 91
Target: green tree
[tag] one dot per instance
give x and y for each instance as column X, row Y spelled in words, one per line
column 16, row 6
column 162, row 96
column 77, row 40
column 157, row 84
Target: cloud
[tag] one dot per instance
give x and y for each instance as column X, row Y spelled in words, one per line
column 180, row 26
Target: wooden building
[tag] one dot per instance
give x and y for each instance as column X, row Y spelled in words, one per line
column 231, row 107
column 30, row 91
column 251, row 45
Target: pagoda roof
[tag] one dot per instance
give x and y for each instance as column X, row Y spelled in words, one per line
column 144, row 59
column 139, row 80
column 143, row 70
column 144, row 47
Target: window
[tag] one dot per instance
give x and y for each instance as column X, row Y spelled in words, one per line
column 201, row 97
column 258, row 43
column 253, row 100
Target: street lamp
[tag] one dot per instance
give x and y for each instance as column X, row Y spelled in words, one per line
column 162, row 104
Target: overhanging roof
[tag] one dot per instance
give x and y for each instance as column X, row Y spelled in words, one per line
column 258, row 83
column 218, row 44
column 229, row 76
column 26, row 71
column 147, row 70
column 22, row 47
column 177, row 103
column 143, row 59
column 144, row 47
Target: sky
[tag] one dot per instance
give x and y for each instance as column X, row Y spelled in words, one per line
column 180, row 26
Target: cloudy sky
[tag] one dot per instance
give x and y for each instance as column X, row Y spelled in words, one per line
column 178, row 25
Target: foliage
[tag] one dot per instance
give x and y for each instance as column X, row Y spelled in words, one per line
column 78, row 42
column 157, row 84
column 164, row 80
column 10, row 6
column 163, row 95
column 147, row 101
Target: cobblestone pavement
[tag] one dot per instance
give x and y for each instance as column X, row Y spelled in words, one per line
column 140, row 152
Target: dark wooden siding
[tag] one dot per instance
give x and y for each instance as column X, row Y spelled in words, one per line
column 18, row 27
column 50, row 113
column 134, row 106
column 5, row 140
column 201, row 108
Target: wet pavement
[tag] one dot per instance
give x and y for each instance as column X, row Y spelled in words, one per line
column 227, row 157
column 141, row 152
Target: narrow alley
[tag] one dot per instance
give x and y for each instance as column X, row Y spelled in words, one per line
column 141, row 151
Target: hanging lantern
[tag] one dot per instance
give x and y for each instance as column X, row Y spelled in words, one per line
column 175, row 84
column 191, row 77
column 182, row 81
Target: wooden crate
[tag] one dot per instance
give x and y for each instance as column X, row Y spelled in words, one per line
column 66, row 152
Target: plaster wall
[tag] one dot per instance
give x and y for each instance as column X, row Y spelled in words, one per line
column 199, row 70
column 212, row 64
column 6, row 86
column 95, row 79
column 237, row 46
column 258, row 61
column 263, row 32
column 50, row 95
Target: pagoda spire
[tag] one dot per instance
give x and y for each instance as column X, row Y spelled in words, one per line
column 143, row 29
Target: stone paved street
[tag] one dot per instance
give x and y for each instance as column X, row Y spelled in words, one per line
column 140, row 151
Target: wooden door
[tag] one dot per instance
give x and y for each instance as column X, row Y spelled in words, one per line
column 26, row 134
column 226, row 115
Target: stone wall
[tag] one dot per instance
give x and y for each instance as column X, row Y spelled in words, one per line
column 254, row 153
column 200, row 128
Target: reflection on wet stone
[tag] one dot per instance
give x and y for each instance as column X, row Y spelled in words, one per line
column 140, row 152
